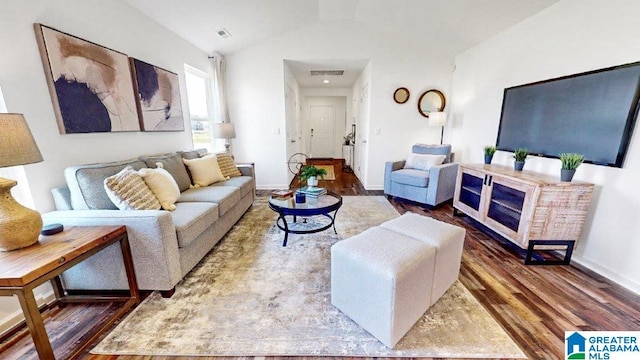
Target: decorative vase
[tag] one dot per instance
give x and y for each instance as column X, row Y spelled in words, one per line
column 488, row 158
column 566, row 175
column 518, row 165
column 312, row 181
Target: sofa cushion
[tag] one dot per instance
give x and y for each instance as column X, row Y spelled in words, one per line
column 86, row 183
column 128, row 191
column 225, row 196
column 173, row 164
column 163, row 186
column 411, row 177
column 193, row 154
column 245, row 183
column 192, row 219
column 204, row 171
column 227, row 166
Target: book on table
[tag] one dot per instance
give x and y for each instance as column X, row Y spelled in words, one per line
column 282, row 194
column 313, row 191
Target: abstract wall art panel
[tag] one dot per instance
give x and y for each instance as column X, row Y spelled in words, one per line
column 90, row 85
column 158, row 91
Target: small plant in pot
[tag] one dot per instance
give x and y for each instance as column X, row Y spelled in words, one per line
column 570, row 162
column 520, row 155
column 311, row 173
column 488, row 153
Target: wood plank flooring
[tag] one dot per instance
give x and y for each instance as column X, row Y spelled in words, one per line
column 534, row 304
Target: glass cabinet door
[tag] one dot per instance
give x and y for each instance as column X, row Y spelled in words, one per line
column 471, row 190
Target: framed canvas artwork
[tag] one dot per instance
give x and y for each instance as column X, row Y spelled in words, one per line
column 90, row 85
column 158, row 95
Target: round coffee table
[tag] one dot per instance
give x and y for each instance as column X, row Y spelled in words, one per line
column 315, row 213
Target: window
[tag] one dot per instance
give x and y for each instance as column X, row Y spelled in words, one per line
column 21, row 192
column 201, row 109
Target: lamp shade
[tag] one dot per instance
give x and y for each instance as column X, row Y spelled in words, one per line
column 437, row 118
column 223, row 131
column 17, row 146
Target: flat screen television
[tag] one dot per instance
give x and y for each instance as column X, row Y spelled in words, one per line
column 591, row 113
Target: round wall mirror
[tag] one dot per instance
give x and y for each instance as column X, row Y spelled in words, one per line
column 401, row 95
column 431, row 100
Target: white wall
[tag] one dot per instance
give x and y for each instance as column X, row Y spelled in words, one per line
column 108, row 23
column 256, row 104
column 570, row 37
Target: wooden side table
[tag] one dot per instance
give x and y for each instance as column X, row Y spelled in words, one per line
column 23, row 270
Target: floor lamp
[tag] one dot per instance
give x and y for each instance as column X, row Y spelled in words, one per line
column 224, row 131
column 438, row 118
column 19, row 226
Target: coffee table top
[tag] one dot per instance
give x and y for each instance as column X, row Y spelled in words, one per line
column 312, row 206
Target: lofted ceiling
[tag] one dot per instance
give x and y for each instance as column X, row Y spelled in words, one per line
column 447, row 26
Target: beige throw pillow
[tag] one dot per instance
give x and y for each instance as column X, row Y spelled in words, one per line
column 227, row 166
column 128, row 191
column 423, row 161
column 204, row 171
column 163, row 186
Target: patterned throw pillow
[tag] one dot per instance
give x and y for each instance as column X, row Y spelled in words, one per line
column 128, row 191
column 227, row 166
column 423, row 161
column 204, row 171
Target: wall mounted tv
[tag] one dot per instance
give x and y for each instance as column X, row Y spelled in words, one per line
column 591, row 113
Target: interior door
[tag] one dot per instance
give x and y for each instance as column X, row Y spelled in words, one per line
column 322, row 130
column 290, row 116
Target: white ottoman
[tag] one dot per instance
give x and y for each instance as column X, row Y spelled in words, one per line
column 446, row 238
column 382, row 281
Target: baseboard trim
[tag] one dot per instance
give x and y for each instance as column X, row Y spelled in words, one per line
column 374, row 187
column 627, row 283
column 272, row 187
column 10, row 322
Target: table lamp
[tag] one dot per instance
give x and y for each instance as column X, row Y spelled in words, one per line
column 224, row 131
column 19, row 226
column 438, row 118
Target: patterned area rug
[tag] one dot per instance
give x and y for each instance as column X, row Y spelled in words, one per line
column 252, row 297
column 331, row 175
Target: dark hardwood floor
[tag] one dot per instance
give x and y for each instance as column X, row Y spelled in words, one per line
column 534, row 304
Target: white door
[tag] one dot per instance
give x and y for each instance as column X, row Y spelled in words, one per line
column 322, row 130
column 290, row 116
column 362, row 127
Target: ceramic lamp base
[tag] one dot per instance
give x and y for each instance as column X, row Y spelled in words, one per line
column 19, row 226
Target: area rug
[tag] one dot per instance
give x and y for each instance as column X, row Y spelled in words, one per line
column 331, row 175
column 253, row 297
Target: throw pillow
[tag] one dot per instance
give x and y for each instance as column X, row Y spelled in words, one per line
column 128, row 191
column 173, row 164
column 227, row 166
column 204, row 171
column 163, row 186
column 423, row 161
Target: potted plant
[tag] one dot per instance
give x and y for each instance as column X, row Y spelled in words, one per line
column 488, row 153
column 520, row 156
column 570, row 162
column 311, row 173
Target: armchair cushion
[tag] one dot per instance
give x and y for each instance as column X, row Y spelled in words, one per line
column 433, row 150
column 423, row 161
column 411, row 177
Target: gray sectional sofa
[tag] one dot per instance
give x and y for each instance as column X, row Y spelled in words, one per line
column 165, row 245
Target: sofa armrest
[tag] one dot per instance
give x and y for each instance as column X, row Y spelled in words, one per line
column 247, row 169
column 153, row 242
column 442, row 183
column 62, row 197
column 389, row 167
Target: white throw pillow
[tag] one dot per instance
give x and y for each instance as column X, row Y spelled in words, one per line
column 128, row 192
column 163, row 186
column 423, row 161
column 204, row 171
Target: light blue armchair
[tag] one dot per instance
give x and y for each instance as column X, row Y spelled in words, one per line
column 431, row 187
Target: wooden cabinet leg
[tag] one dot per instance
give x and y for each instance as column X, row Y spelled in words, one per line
column 36, row 326
column 58, row 290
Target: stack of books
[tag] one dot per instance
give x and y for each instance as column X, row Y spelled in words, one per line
column 282, row 194
column 313, row 191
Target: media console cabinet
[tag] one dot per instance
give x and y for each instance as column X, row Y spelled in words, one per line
column 529, row 209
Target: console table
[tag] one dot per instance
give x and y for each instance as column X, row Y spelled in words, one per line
column 529, row 209
column 23, row 270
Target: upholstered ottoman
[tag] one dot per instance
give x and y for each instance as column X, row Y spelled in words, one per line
column 446, row 238
column 382, row 280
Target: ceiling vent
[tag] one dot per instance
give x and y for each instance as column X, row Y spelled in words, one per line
column 224, row 33
column 326, row 72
